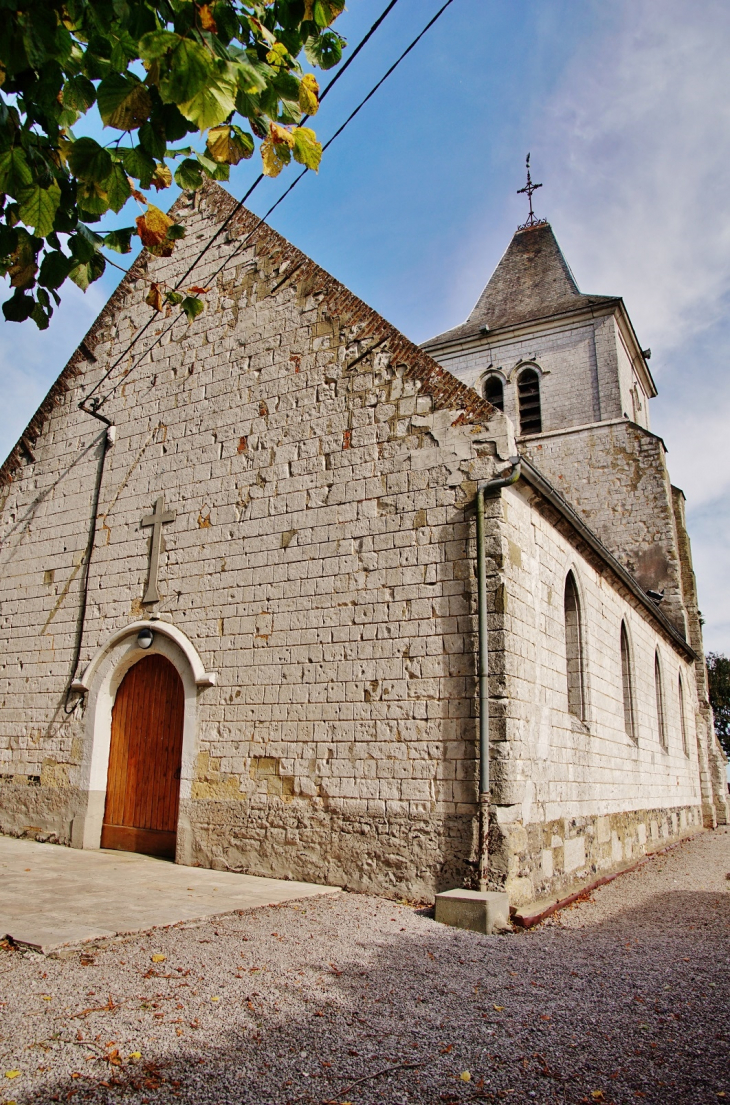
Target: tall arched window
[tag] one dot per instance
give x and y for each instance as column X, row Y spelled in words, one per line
column 528, row 395
column 574, row 649
column 660, row 711
column 628, row 684
column 682, row 718
column 494, row 392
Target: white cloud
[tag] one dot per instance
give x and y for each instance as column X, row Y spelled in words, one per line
column 634, row 153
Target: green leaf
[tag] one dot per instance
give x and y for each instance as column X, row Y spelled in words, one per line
column 19, row 307
column 38, row 207
column 155, row 45
column 187, row 71
column 15, row 172
column 188, row 175
column 192, row 307
column 212, row 169
column 23, row 266
column 55, row 267
column 175, row 232
column 83, row 275
column 251, row 78
column 174, row 298
column 124, row 102
column 78, row 93
column 120, row 240
column 213, row 104
column 40, row 318
column 92, row 199
column 153, row 140
column 138, row 164
column 307, row 150
column 325, row 50
column 117, row 188
column 326, row 11
column 89, row 161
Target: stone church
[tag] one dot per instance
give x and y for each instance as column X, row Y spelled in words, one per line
column 284, row 593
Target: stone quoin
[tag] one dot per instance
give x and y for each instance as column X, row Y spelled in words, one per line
column 284, row 510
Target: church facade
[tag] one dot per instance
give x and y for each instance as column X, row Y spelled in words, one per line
column 238, row 599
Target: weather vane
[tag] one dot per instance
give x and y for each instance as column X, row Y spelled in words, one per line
column 528, row 190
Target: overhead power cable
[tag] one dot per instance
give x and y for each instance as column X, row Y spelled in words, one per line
column 363, row 41
column 242, row 244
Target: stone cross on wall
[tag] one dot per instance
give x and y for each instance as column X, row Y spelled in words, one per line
column 156, row 520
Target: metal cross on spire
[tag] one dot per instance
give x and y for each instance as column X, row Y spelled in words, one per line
column 528, row 190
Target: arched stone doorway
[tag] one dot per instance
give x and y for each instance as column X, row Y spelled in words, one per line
column 102, row 680
column 145, row 760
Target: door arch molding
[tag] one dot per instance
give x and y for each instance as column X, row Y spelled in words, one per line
column 102, row 679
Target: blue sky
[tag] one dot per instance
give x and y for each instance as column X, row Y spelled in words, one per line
column 624, row 107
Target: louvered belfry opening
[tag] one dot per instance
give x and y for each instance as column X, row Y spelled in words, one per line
column 145, row 756
column 494, row 392
column 528, row 395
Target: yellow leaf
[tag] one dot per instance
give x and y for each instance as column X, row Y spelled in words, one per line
column 207, row 22
column 281, row 136
column 274, row 157
column 155, row 298
column 307, row 150
column 162, row 177
column 46, row 997
column 215, row 999
column 499, row 1008
column 277, row 55
column 135, row 1055
column 308, row 93
column 12, row 1073
column 597, row 1095
column 226, row 146
column 465, row 1076
column 157, row 223
column 159, row 958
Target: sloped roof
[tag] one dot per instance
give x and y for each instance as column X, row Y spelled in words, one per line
column 531, row 281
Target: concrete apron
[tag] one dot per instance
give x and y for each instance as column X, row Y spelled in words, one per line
column 54, row 897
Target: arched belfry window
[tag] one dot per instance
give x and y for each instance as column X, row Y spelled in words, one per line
column 574, row 649
column 682, row 717
column 494, row 392
column 528, row 396
column 627, row 684
column 660, row 711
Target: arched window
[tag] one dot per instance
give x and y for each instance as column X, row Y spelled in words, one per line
column 628, row 684
column 682, row 718
column 494, row 392
column 660, row 712
column 574, row 649
column 528, row 395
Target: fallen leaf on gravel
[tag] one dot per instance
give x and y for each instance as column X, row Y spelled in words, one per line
column 465, row 1076
column 136, row 1055
column 158, row 958
column 12, row 1073
column 215, row 999
column 46, row 997
column 499, row 1008
column 597, row 1095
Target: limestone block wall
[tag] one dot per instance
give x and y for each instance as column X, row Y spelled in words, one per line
column 571, row 795
column 615, row 475
column 319, row 466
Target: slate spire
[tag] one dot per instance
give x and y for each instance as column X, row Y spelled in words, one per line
column 532, row 281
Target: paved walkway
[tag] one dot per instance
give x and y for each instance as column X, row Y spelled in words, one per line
column 53, row 896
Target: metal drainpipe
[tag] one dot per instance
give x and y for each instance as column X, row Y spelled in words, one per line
column 488, row 488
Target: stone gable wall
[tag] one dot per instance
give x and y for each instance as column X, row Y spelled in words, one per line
column 318, row 562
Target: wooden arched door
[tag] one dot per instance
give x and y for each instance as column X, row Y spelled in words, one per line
column 143, row 784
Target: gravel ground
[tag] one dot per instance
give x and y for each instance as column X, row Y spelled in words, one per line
column 622, row 998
